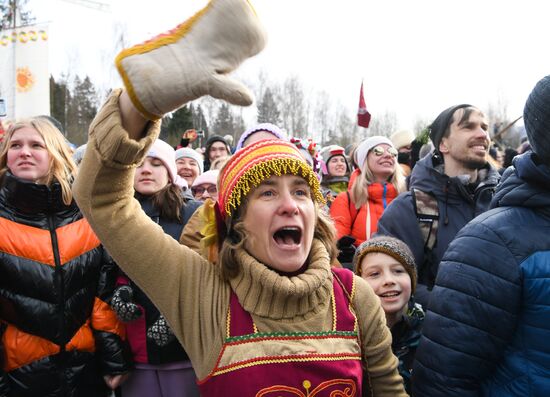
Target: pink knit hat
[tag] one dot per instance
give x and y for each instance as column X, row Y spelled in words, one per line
column 210, row 176
column 165, row 153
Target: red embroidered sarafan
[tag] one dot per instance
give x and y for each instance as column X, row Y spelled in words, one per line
column 286, row 364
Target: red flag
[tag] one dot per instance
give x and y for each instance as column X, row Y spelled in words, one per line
column 363, row 115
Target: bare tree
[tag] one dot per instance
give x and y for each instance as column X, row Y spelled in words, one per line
column 120, row 41
column 346, row 130
column 497, row 113
column 383, row 124
column 322, row 117
column 420, row 124
column 13, row 13
column 293, row 107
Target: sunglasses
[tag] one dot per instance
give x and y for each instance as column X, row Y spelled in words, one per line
column 199, row 190
column 379, row 151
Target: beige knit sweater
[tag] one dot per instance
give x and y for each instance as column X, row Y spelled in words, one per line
column 188, row 290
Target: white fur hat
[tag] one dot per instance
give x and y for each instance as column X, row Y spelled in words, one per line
column 402, row 138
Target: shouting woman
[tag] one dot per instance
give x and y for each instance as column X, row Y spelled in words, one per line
column 271, row 317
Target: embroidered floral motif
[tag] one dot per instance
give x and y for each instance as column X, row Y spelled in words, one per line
column 332, row 388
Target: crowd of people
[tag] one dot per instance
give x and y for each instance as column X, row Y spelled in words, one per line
column 275, row 267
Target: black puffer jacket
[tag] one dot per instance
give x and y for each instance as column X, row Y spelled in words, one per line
column 144, row 349
column 59, row 334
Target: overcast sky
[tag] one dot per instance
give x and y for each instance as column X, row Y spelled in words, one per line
column 416, row 57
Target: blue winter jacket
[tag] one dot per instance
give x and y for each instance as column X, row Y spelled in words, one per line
column 457, row 206
column 487, row 329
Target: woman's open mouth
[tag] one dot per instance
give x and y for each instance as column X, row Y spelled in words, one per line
column 288, row 236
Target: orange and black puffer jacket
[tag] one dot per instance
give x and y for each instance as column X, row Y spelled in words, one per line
column 59, row 335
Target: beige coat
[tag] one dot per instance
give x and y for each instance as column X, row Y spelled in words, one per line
column 188, row 290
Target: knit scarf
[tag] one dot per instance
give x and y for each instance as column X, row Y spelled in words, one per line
column 263, row 292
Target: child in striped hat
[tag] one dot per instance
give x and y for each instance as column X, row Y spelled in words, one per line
column 387, row 264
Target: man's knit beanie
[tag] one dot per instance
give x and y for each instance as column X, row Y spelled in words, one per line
column 391, row 246
column 216, row 138
column 442, row 123
column 536, row 116
column 209, row 142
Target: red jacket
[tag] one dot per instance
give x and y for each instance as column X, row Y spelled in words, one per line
column 350, row 221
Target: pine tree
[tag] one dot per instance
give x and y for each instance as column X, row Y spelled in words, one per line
column 238, row 127
column 59, row 97
column 224, row 121
column 174, row 125
column 81, row 110
column 268, row 111
column 199, row 121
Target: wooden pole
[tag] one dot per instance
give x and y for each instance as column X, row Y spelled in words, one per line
column 502, row 131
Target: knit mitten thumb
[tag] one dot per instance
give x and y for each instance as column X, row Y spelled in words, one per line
column 193, row 60
column 122, row 304
column 160, row 332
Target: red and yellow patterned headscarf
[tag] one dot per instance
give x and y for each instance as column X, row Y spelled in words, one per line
column 253, row 164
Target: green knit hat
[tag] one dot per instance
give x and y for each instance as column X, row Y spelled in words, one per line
column 391, row 246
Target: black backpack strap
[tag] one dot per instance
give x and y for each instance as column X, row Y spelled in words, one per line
column 427, row 214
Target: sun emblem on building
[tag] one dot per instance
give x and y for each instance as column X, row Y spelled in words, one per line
column 24, row 79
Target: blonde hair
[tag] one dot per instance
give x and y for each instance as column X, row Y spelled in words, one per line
column 61, row 168
column 359, row 192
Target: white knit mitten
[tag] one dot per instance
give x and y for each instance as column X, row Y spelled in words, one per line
column 193, row 59
column 160, row 332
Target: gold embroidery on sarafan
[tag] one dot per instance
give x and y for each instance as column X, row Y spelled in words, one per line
column 335, row 387
column 263, row 349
